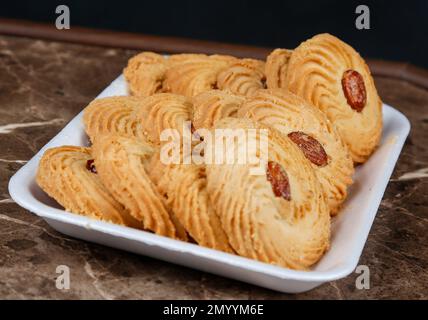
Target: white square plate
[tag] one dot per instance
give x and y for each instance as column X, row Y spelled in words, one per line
column 349, row 229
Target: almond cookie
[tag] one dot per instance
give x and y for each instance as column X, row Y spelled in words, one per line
column 184, row 189
column 211, row 106
column 145, row 73
column 332, row 75
column 163, row 111
column 195, row 75
column 243, row 77
column 113, row 115
column 68, row 175
column 120, row 162
column 276, row 68
column 312, row 132
column 279, row 216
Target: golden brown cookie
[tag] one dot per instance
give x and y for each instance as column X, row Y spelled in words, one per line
column 68, row 175
column 276, row 68
column 243, row 77
column 279, row 216
column 225, row 58
column 145, row 73
column 163, row 111
column 211, row 106
column 332, row 75
column 175, row 59
column 184, row 188
column 113, row 115
column 312, row 132
column 181, row 185
column 194, row 75
column 120, row 162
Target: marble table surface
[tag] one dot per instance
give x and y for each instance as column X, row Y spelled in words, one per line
column 45, row 84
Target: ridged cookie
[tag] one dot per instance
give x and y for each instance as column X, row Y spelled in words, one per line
column 332, row 75
column 211, row 106
column 185, row 191
column 312, row 132
column 279, row 216
column 145, row 73
column 120, row 162
column 163, row 111
column 68, row 175
column 224, row 57
column 195, row 75
column 113, row 115
column 243, row 77
column 176, row 59
column 276, row 68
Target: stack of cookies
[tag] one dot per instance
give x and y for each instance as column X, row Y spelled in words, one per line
column 319, row 110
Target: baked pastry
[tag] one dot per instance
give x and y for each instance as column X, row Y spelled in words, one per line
column 68, row 175
column 120, row 162
column 148, row 73
column 312, row 132
column 145, row 73
column 184, row 187
column 211, row 106
column 224, row 57
column 276, row 68
column 279, row 216
column 243, row 77
column 332, row 75
column 113, row 115
column 176, row 59
column 194, row 75
column 164, row 111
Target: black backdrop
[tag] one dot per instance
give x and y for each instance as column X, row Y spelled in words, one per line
column 399, row 29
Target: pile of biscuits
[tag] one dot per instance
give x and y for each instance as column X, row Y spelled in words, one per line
column 317, row 103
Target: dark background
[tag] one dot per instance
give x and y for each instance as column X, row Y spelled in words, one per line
column 399, row 29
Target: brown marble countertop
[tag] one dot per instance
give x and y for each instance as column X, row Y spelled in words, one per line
column 45, row 84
